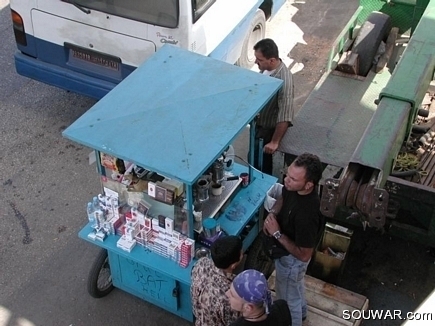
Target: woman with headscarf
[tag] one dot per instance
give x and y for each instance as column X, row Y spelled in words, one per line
column 250, row 295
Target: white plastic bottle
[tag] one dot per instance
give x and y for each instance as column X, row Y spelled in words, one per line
column 96, row 203
column 91, row 216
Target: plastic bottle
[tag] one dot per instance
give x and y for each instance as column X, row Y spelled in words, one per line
column 91, row 217
column 101, row 199
column 99, row 218
column 96, row 203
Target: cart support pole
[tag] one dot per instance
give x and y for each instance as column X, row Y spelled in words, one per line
column 251, row 148
column 189, row 212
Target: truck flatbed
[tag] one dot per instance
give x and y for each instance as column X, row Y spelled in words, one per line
column 326, row 302
column 332, row 123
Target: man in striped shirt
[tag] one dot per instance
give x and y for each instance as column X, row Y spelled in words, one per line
column 278, row 114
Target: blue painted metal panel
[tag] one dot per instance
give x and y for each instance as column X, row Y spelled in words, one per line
column 51, row 65
column 30, row 47
column 250, row 237
column 61, row 77
column 148, row 276
column 148, row 283
column 176, row 113
column 246, row 202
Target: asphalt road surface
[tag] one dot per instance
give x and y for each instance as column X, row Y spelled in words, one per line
column 45, row 182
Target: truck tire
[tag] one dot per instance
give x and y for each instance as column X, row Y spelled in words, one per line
column 99, row 279
column 256, row 259
column 257, row 31
column 375, row 29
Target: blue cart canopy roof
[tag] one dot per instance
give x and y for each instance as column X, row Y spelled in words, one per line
column 176, row 113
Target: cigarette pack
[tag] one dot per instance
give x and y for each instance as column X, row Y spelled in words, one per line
column 151, row 189
column 186, row 257
column 178, row 185
column 169, row 225
column 92, row 236
column 162, row 221
column 172, row 251
column 126, row 244
column 163, row 194
column 148, row 222
column 112, row 225
column 100, row 235
column 155, row 224
column 136, row 214
column 176, row 236
column 191, row 244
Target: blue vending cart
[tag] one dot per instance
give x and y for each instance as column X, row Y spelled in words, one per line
column 159, row 137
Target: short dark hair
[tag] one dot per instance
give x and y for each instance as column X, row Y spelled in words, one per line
column 268, row 48
column 226, row 251
column 312, row 165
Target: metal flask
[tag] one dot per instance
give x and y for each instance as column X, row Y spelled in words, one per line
column 202, row 189
column 217, row 171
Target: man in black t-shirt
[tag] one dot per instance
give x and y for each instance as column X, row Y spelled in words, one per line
column 296, row 224
column 249, row 294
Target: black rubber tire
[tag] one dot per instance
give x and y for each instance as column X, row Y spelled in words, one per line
column 375, row 29
column 100, row 279
column 257, row 31
column 256, row 258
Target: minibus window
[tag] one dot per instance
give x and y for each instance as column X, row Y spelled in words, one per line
column 156, row 12
column 199, row 7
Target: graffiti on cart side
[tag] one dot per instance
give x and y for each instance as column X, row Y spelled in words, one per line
column 149, row 281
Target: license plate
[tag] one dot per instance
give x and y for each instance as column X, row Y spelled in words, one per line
column 96, row 58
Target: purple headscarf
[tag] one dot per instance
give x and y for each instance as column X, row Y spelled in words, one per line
column 251, row 286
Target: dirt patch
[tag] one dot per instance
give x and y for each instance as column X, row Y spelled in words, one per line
column 309, row 55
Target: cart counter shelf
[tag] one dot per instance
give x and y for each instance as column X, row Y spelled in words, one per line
column 162, row 281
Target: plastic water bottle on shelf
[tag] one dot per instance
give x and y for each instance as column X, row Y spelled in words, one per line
column 96, row 203
column 91, row 216
column 99, row 219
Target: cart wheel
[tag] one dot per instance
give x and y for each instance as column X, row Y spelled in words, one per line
column 257, row 259
column 99, row 279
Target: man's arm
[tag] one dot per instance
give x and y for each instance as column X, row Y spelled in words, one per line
column 271, row 225
column 285, row 111
column 303, row 254
column 280, row 129
column 274, row 211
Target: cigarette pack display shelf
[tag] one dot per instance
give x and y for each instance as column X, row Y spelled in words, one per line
column 175, row 115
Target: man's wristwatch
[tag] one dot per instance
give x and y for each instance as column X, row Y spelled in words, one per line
column 277, row 235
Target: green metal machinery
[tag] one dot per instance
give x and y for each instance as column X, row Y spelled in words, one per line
column 359, row 124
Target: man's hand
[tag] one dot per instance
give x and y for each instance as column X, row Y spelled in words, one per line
column 271, row 224
column 271, row 147
column 264, row 229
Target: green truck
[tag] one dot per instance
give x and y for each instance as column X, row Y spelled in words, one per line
column 371, row 123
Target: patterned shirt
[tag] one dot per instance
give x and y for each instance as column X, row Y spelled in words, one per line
column 210, row 304
column 280, row 107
